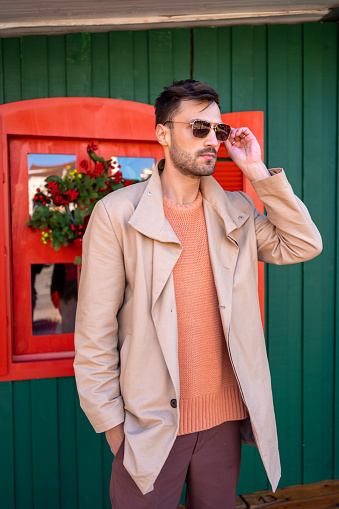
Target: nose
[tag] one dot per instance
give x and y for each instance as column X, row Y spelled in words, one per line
column 211, row 139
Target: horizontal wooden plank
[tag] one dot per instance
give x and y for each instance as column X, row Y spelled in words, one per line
column 316, row 496
column 327, row 502
column 240, row 504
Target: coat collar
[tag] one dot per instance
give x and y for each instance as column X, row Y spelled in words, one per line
column 149, row 217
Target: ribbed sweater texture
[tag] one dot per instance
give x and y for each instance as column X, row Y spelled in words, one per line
column 209, row 393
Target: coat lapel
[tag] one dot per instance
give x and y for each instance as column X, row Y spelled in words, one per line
column 149, row 219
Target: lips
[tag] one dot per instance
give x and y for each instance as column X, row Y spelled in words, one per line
column 208, row 157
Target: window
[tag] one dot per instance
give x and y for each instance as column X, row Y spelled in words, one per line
column 50, row 136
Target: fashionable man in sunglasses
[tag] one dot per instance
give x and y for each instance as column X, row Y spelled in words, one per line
column 170, row 353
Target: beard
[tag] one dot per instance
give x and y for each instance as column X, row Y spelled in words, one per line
column 189, row 164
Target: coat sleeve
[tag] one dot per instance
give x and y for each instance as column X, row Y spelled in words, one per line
column 287, row 234
column 101, row 294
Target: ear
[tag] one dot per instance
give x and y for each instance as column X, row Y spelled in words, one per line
column 162, row 134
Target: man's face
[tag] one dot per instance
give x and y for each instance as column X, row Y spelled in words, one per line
column 194, row 157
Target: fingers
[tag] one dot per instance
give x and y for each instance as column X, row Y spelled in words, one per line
column 238, row 135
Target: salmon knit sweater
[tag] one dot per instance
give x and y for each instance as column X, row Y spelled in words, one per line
column 209, row 393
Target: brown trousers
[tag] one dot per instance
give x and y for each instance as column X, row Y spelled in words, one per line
column 209, row 462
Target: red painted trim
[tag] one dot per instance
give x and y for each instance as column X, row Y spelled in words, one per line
column 39, row 369
column 3, row 285
column 80, row 117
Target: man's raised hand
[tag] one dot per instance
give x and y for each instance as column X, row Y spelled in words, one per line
column 244, row 149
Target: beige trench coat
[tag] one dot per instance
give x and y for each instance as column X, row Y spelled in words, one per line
column 126, row 362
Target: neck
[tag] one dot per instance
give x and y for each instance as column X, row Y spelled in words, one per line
column 177, row 187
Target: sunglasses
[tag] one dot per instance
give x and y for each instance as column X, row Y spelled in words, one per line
column 201, row 129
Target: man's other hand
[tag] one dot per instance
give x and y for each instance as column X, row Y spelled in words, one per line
column 114, row 437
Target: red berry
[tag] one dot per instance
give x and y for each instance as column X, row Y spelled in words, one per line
column 36, row 198
column 38, row 190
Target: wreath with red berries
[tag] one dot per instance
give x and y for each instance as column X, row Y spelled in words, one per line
column 63, row 209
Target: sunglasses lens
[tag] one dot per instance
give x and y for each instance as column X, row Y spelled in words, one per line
column 222, row 132
column 201, row 128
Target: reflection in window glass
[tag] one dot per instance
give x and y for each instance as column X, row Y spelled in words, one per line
column 139, row 168
column 41, row 166
column 54, row 295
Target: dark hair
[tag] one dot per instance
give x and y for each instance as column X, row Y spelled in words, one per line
column 168, row 102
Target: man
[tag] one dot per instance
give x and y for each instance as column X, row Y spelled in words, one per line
column 170, row 354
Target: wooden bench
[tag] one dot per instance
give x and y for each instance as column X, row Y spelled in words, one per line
column 320, row 495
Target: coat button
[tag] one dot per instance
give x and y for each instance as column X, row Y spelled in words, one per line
column 241, row 217
column 173, row 403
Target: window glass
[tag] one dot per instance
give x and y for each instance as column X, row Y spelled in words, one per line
column 41, row 166
column 54, row 295
column 138, row 168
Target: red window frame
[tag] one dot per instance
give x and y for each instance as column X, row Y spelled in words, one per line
column 115, row 124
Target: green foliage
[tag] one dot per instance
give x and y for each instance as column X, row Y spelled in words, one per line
column 63, row 209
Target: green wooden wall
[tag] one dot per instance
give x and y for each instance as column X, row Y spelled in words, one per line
column 50, row 457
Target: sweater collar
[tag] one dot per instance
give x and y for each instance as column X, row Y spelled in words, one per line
column 183, row 209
